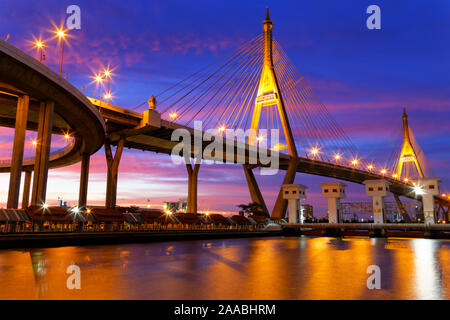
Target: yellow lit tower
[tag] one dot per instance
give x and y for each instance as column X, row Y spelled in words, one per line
column 269, row 94
column 408, row 154
column 269, row 91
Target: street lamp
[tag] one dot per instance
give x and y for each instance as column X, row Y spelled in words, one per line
column 107, row 97
column 173, row 115
column 337, row 157
column 107, row 73
column 99, row 79
column 39, row 45
column 314, row 151
column 61, row 34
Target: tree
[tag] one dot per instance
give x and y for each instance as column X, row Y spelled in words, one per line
column 252, row 208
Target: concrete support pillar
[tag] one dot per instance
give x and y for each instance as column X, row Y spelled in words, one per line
column 402, row 209
column 26, row 190
column 293, row 193
column 192, row 187
column 113, row 169
column 253, row 187
column 378, row 190
column 44, row 138
column 334, row 192
column 84, row 179
column 17, row 154
column 279, row 209
column 428, row 189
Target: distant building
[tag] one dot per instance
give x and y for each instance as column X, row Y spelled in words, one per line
column 175, row 206
column 362, row 211
column 62, row 203
column 308, row 211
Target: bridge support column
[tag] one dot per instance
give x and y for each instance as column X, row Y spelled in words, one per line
column 334, row 192
column 44, row 138
column 192, row 187
column 279, row 210
column 84, row 178
column 293, row 193
column 255, row 193
column 113, row 169
column 429, row 189
column 402, row 209
column 378, row 190
column 17, row 154
column 26, row 190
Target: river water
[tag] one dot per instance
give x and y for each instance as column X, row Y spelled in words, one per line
column 259, row 268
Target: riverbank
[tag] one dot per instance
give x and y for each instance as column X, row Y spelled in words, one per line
column 48, row 240
column 404, row 230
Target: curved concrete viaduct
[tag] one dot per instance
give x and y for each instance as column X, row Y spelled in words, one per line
column 33, row 97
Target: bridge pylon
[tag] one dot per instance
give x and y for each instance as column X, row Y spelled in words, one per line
column 269, row 94
column 407, row 154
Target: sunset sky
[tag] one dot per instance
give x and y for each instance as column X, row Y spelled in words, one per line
column 364, row 77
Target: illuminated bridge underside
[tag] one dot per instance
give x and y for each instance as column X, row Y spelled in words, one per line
column 125, row 123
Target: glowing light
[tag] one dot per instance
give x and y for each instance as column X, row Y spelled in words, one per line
column 314, row 152
column 279, row 147
column 260, row 138
column 34, row 143
column 406, row 179
column 44, row 206
column 107, row 96
column 60, row 33
column 173, row 115
column 98, row 79
column 222, row 128
column 88, row 210
column 383, row 171
column 337, row 156
column 75, row 210
column 355, row 162
column 67, row 136
column 370, row 166
column 444, row 195
column 418, row 190
column 394, row 175
column 39, row 44
column 107, row 73
column 207, row 213
column 168, row 212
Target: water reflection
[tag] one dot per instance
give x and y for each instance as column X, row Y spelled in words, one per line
column 266, row 268
column 427, row 269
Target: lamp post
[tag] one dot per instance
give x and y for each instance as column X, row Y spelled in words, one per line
column 99, row 80
column 61, row 35
column 40, row 46
column 107, row 73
